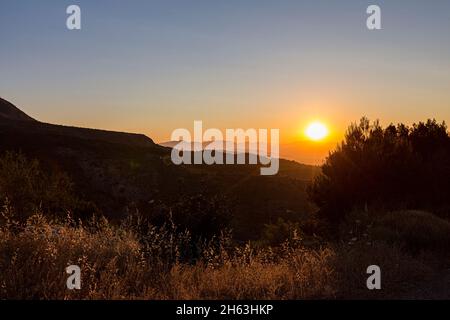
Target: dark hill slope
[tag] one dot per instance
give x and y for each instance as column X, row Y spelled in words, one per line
column 12, row 117
column 11, row 112
column 109, row 168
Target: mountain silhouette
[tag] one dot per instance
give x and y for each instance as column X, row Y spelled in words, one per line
column 11, row 116
column 8, row 111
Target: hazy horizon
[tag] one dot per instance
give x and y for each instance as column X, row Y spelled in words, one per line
column 151, row 67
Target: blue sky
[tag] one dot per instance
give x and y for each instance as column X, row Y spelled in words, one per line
column 153, row 66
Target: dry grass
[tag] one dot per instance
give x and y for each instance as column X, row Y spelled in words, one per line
column 307, row 275
column 116, row 263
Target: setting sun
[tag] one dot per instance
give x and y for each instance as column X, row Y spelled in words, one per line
column 316, row 131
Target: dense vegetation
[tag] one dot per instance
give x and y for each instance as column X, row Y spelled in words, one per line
column 383, row 193
column 392, row 167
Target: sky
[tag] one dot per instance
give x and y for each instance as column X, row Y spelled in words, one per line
column 154, row 66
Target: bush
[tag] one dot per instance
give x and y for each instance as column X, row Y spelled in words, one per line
column 277, row 233
column 417, row 230
column 204, row 216
column 28, row 188
column 403, row 276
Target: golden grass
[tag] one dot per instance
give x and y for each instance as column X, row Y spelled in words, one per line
column 116, row 264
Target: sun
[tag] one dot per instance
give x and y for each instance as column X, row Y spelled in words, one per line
column 316, row 131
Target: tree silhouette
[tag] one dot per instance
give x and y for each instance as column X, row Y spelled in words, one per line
column 396, row 166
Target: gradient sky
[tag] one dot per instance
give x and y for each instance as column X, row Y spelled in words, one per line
column 153, row 66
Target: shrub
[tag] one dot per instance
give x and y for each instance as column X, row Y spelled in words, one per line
column 204, row 216
column 28, row 188
column 277, row 233
column 403, row 276
column 417, row 230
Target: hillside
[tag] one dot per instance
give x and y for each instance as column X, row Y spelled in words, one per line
column 12, row 117
column 115, row 170
column 11, row 112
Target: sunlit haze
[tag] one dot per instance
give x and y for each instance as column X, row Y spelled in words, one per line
column 153, row 66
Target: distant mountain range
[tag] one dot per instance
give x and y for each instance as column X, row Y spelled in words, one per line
column 311, row 152
column 219, row 146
